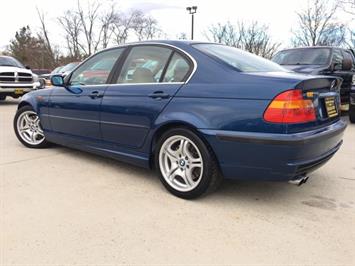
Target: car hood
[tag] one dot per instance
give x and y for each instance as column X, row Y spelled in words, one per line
column 307, row 69
column 14, row 69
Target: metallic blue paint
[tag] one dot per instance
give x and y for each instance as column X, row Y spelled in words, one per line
column 223, row 106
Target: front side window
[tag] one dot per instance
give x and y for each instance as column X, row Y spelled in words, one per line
column 348, row 55
column 241, row 60
column 313, row 56
column 177, row 70
column 337, row 60
column 145, row 64
column 96, row 70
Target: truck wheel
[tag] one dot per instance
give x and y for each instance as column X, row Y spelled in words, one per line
column 352, row 113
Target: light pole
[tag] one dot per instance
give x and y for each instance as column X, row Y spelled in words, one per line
column 192, row 10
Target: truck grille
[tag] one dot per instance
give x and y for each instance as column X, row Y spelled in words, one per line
column 15, row 77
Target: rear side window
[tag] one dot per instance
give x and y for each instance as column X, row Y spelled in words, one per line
column 177, row 70
column 241, row 60
column 144, row 64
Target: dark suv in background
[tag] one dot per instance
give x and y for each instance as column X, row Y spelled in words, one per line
column 329, row 61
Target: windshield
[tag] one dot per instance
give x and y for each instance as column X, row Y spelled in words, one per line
column 313, row 56
column 9, row 61
column 56, row 70
column 69, row 67
column 243, row 61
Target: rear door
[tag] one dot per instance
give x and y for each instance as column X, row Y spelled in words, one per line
column 74, row 110
column 146, row 82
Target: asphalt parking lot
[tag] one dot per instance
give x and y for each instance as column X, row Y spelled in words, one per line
column 60, row 206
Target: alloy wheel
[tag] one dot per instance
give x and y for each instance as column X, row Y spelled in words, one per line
column 29, row 128
column 181, row 163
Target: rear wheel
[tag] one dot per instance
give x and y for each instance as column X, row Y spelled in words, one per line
column 187, row 166
column 2, row 97
column 352, row 113
column 28, row 128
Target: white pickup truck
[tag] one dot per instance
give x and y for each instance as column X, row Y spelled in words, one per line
column 15, row 79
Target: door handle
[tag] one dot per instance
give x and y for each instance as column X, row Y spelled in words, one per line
column 159, row 95
column 95, row 95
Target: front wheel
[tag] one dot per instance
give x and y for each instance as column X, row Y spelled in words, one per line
column 352, row 113
column 2, row 97
column 28, row 128
column 187, row 166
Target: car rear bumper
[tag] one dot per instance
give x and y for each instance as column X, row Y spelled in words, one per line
column 274, row 157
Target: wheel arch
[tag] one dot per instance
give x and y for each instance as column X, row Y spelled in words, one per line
column 24, row 103
column 171, row 125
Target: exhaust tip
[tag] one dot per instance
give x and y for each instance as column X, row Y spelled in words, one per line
column 299, row 181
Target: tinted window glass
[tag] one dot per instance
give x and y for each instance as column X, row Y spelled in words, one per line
column 144, row 64
column 314, row 56
column 96, row 70
column 337, row 59
column 9, row 61
column 177, row 70
column 349, row 55
column 243, row 61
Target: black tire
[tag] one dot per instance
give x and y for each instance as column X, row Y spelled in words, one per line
column 352, row 113
column 43, row 144
column 2, row 97
column 211, row 177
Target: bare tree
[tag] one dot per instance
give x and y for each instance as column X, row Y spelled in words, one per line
column 256, row 39
column 252, row 37
column 107, row 20
column 88, row 19
column 122, row 25
column 317, row 25
column 348, row 6
column 71, row 24
column 43, row 35
column 145, row 27
column 225, row 33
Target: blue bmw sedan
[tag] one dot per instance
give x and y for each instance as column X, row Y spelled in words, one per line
column 196, row 112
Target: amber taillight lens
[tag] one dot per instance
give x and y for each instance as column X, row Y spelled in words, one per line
column 290, row 107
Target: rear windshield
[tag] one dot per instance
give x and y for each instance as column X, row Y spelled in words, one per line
column 241, row 60
column 9, row 61
column 314, row 56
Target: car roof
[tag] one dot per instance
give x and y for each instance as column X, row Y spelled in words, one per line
column 177, row 43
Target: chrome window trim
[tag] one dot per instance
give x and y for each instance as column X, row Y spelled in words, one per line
column 130, row 84
column 150, row 83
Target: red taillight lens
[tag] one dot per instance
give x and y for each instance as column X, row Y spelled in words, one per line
column 290, row 107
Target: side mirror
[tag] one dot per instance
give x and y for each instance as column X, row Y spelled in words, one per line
column 57, row 80
column 347, row 64
column 28, row 67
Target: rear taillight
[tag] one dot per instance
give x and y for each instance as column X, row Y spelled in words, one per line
column 290, row 107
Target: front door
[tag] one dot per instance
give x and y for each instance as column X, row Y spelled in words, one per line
column 149, row 78
column 74, row 110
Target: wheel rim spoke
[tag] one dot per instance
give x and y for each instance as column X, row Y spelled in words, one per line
column 179, row 161
column 29, row 128
column 188, row 177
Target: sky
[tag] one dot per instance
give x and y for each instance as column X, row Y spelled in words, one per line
column 172, row 16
